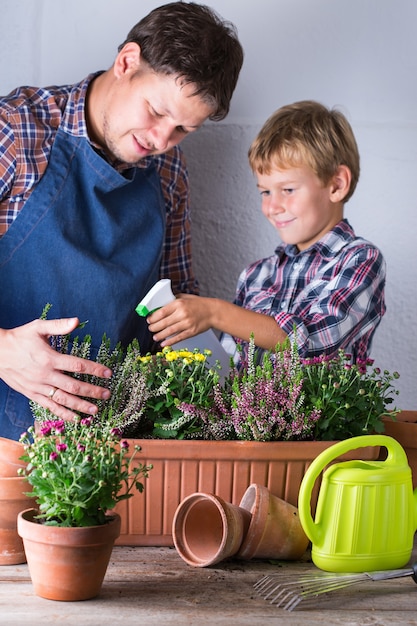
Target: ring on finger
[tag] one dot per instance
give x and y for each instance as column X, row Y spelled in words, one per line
column 52, row 392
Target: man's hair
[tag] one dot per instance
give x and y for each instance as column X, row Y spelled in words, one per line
column 307, row 133
column 192, row 42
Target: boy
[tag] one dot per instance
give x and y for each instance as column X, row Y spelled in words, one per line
column 323, row 286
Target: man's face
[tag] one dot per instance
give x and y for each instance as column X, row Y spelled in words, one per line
column 145, row 113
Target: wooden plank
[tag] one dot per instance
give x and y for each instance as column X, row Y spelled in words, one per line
column 146, row 585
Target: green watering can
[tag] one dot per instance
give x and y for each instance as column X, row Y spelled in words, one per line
column 366, row 513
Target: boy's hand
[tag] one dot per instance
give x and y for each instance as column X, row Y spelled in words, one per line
column 185, row 317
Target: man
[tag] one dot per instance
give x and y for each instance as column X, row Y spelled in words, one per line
column 94, row 201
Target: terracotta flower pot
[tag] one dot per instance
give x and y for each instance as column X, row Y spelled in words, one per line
column 225, row 468
column 207, row 530
column 67, row 564
column 12, row 501
column 275, row 531
column 10, row 453
column 404, row 430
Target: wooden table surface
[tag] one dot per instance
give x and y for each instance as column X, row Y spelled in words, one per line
column 155, row 586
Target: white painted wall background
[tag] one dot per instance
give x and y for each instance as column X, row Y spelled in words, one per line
column 357, row 54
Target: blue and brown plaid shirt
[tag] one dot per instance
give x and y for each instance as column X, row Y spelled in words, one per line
column 332, row 294
column 29, row 120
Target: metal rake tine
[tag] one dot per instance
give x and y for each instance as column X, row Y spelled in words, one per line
column 290, row 606
column 284, row 596
column 283, row 589
column 264, row 581
column 335, row 582
column 316, row 588
column 341, row 580
column 292, row 599
column 288, row 594
column 272, row 582
column 268, row 581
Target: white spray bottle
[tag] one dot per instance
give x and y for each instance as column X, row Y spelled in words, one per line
column 161, row 294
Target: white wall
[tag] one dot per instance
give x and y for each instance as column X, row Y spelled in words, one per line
column 358, row 54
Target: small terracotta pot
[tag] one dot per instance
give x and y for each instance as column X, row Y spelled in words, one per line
column 206, row 529
column 67, row 564
column 12, row 501
column 10, row 453
column 275, row 531
column 404, row 429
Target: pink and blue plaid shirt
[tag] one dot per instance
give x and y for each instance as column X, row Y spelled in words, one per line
column 29, row 120
column 328, row 297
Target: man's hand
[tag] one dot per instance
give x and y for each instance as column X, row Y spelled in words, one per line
column 29, row 365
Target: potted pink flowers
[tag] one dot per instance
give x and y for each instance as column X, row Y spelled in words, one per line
column 78, row 472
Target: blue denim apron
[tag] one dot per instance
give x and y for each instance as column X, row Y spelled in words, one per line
column 88, row 241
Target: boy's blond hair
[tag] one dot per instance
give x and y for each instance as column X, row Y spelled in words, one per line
column 306, row 133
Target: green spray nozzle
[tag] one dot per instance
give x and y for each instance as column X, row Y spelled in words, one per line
column 159, row 295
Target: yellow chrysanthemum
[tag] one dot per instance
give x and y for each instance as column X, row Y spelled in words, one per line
column 185, row 354
column 145, row 359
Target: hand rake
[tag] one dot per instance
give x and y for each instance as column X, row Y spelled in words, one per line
column 287, row 595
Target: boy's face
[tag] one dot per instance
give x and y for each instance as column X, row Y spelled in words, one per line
column 298, row 205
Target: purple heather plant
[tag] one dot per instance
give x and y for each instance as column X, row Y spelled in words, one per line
column 262, row 400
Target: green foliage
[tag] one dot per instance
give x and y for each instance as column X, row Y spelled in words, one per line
column 184, row 377
column 79, row 470
column 352, row 398
column 128, row 385
column 272, row 396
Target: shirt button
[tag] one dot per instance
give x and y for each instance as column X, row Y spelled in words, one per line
column 283, row 305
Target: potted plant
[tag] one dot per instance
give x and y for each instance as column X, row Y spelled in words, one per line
column 78, row 472
column 404, row 430
column 12, row 500
column 272, row 396
column 264, row 423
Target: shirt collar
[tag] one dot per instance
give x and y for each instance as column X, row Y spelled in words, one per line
column 74, row 121
column 327, row 247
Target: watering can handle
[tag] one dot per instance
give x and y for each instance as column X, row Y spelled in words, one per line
column 396, row 455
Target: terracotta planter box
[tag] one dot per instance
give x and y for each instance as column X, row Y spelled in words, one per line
column 224, row 468
column 404, row 430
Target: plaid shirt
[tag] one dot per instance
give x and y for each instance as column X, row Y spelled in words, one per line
column 29, row 120
column 332, row 293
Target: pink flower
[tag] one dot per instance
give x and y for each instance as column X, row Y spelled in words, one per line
column 58, row 426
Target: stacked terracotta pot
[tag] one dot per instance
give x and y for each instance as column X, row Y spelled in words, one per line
column 206, row 529
column 12, row 500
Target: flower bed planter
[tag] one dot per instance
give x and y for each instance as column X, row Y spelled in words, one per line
column 404, row 430
column 224, row 468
